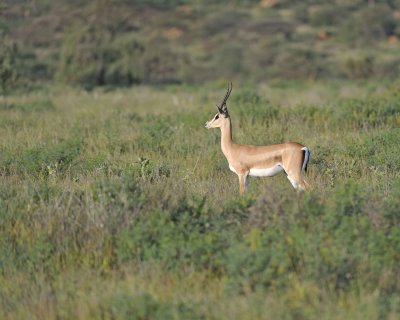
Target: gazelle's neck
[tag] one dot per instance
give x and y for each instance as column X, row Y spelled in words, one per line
column 226, row 136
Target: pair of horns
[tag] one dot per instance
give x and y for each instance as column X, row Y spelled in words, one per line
column 222, row 108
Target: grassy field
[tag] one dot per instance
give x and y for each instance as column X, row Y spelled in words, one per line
column 120, row 205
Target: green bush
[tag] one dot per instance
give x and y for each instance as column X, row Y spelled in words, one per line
column 157, row 133
column 252, row 107
column 328, row 15
column 8, row 69
column 187, row 236
column 333, row 245
column 369, row 24
column 49, row 161
column 393, row 212
column 367, row 113
column 144, row 306
column 295, row 63
column 359, row 68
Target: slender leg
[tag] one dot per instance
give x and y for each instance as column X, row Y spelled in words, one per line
column 299, row 184
column 294, row 182
column 242, row 183
column 294, row 172
column 246, row 183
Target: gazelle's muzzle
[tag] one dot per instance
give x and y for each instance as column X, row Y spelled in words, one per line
column 207, row 125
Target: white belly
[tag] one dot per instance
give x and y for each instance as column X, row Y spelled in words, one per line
column 266, row 172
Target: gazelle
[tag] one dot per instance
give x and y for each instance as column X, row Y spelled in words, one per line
column 260, row 161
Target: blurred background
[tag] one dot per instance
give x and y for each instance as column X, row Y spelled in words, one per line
column 116, row 43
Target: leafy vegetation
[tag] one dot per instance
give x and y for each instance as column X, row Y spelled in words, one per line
column 119, row 204
column 123, row 43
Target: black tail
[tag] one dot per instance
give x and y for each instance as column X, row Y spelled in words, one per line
column 307, row 155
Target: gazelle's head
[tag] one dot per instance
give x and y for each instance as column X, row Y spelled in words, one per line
column 222, row 114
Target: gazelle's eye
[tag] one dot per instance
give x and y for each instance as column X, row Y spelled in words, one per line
column 217, row 116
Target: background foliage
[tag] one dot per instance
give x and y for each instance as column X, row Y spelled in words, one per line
column 120, row 43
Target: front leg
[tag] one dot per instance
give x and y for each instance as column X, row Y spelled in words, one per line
column 243, row 183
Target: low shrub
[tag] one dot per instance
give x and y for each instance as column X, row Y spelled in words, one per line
column 144, row 306
column 189, row 236
column 49, row 161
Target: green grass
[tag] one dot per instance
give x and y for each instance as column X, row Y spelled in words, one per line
column 119, row 204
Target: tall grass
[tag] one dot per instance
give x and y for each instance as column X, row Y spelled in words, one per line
column 120, row 205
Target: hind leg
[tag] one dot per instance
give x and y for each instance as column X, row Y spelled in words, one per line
column 298, row 183
column 293, row 168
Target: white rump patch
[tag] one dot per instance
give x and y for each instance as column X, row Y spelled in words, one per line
column 266, row 172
